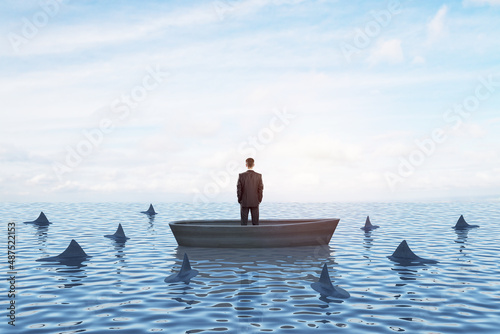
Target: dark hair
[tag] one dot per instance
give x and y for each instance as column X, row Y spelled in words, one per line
column 250, row 162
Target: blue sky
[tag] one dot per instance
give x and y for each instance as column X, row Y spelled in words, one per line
column 164, row 100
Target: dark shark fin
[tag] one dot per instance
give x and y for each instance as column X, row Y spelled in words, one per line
column 73, row 250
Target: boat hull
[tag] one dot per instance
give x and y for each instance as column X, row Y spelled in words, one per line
column 268, row 234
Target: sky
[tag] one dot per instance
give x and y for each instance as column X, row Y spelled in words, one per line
column 162, row 101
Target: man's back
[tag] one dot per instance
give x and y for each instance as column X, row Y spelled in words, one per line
column 250, row 189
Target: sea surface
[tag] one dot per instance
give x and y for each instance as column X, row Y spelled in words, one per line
column 121, row 288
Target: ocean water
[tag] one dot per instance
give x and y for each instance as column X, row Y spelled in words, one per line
column 121, row 288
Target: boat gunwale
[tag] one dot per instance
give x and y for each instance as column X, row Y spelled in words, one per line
column 268, row 222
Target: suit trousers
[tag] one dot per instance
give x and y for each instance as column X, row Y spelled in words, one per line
column 244, row 215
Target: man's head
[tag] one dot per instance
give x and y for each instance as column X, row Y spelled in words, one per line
column 250, row 163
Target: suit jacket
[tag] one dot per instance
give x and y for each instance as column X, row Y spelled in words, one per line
column 250, row 189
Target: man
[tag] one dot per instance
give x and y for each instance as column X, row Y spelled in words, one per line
column 249, row 191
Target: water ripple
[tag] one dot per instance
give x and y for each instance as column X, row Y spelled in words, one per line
column 121, row 286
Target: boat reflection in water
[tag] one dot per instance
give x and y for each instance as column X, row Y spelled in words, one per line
column 279, row 264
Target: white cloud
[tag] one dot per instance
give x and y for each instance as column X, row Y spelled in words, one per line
column 62, row 38
column 57, row 38
column 417, row 60
column 316, row 147
column 469, row 130
column 12, row 153
column 481, row 2
column 436, row 28
column 388, row 51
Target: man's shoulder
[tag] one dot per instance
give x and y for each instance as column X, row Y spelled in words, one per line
column 250, row 172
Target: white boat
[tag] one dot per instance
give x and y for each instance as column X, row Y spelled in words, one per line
column 268, row 234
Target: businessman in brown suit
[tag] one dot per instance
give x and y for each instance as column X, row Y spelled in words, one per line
column 249, row 191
